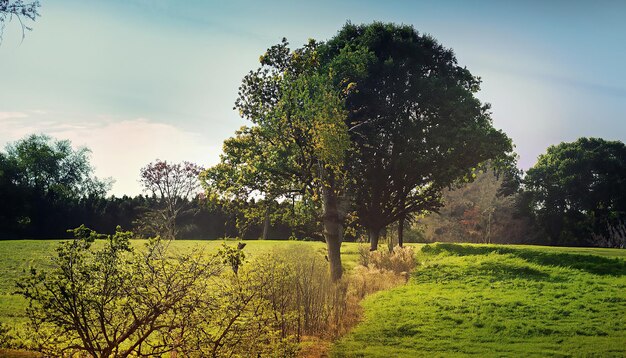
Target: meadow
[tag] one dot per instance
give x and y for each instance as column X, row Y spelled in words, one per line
column 18, row 256
column 485, row 300
column 499, row 301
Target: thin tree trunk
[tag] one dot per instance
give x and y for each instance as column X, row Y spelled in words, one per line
column 489, row 228
column 374, row 235
column 266, row 223
column 401, row 232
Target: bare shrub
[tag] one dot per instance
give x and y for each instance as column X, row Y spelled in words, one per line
column 235, row 318
column 364, row 255
column 301, row 291
column 113, row 301
column 264, row 308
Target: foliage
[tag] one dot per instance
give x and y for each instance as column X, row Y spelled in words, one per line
column 174, row 185
column 43, row 180
column 487, row 210
column 19, row 9
column 283, row 294
column 494, row 300
column 6, row 339
column 17, row 256
column 578, row 189
column 415, row 123
column 53, row 167
column 297, row 144
column 231, row 256
column 294, row 114
column 112, row 301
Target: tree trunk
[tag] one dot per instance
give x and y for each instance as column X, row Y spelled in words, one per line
column 488, row 238
column 333, row 228
column 374, row 235
column 266, row 223
column 333, row 243
column 401, row 232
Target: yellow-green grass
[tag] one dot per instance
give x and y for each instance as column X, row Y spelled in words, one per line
column 16, row 258
column 489, row 300
column 483, row 300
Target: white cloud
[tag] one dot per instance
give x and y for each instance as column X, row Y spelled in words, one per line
column 120, row 148
column 12, row 115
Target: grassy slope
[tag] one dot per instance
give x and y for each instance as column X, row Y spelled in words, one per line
column 16, row 258
column 483, row 300
column 499, row 301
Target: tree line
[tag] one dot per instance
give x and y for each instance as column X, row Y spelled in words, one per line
column 47, row 186
column 348, row 138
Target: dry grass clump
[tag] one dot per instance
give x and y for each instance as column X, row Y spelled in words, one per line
column 316, row 310
column 337, row 305
column 400, row 260
column 367, row 280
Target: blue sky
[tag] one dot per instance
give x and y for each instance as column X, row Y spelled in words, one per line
column 139, row 80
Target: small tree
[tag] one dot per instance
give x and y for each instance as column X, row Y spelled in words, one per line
column 115, row 301
column 174, row 185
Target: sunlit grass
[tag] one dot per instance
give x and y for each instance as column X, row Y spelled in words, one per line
column 499, row 301
column 17, row 257
column 484, row 300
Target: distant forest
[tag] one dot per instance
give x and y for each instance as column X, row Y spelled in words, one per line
column 47, row 187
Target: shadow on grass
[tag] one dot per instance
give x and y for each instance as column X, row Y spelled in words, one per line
column 504, row 272
column 593, row 264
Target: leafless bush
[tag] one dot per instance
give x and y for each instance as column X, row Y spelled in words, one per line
column 114, row 301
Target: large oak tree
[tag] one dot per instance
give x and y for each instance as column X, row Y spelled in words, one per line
column 378, row 117
column 417, row 127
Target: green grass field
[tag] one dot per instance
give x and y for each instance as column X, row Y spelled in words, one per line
column 499, row 301
column 16, row 258
column 482, row 300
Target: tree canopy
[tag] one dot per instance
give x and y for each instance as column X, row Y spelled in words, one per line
column 40, row 179
column 578, row 189
column 417, row 126
column 378, row 117
column 298, row 140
